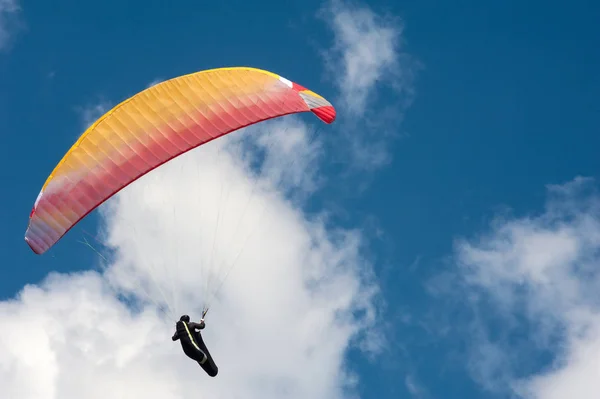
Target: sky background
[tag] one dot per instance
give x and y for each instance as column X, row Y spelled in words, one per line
column 448, row 222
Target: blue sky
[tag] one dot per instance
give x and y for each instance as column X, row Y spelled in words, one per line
column 468, row 171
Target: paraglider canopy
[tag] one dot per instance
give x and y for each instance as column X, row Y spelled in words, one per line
column 153, row 127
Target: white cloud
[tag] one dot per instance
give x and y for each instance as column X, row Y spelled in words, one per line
column 154, row 82
column 365, row 51
column 542, row 275
column 70, row 338
column 91, row 113
column 299, row 296
column 366, row 56
column 8, row 11
column 414, row 388
column 288, row 151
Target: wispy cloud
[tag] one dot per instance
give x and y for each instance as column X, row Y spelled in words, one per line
column 367, row 56
column 533, row 285
column 288, row 152
column 9, row 10
column 154, row 82
column 416, row 389
column 91, row 113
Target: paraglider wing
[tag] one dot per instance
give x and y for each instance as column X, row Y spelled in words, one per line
column 153, row 127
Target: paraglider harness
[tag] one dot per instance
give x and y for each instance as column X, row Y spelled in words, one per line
column 193, row 344
column 188, row 339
